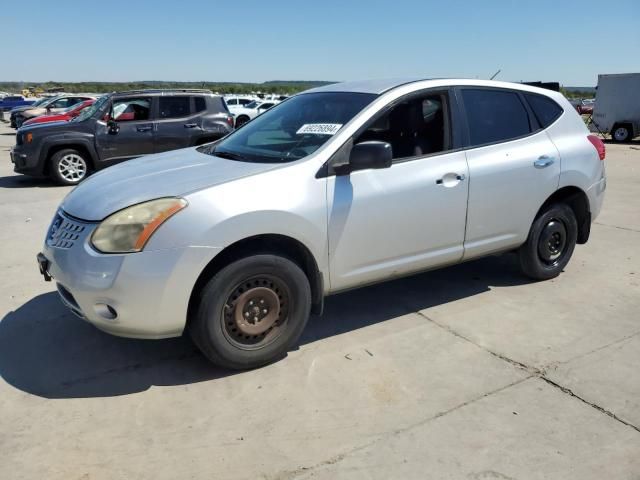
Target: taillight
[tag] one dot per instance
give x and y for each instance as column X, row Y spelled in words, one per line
column 230, row 121
column 598, row 144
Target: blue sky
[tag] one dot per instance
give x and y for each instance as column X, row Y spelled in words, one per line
column 255, row 41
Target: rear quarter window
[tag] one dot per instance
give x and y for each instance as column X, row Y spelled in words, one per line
column 546, row 110
column 494, row 116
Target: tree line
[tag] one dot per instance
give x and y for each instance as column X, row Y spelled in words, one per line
column 277, row 86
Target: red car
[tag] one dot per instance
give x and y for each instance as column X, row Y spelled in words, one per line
column 63, row 116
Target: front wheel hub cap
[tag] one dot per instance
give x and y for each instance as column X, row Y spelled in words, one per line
column 256, row 310
column 553, row 241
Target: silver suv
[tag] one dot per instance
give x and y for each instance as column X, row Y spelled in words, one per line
column 338, row 187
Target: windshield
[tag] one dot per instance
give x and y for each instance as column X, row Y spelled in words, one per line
column 292, row 129
column 39, row 102
column 89, row 111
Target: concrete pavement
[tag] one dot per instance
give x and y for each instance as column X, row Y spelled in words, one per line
column 467, row 372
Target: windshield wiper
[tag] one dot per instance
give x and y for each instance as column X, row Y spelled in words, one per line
column 229, row 155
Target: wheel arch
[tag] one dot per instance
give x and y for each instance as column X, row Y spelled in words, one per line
column 624, row 123
column 278, row 244
column 578, row 201
column 81, row 147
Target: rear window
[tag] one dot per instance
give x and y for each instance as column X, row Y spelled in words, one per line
column 174, row 107
column 494, row 116
column 546, row 110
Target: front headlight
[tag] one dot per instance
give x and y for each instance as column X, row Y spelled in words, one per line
column 129, row 230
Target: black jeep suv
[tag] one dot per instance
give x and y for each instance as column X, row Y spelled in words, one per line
column 117, row 127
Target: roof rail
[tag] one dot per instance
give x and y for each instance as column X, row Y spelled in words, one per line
column 167, row 90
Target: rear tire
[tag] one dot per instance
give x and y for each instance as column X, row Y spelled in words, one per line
column 621, row 133
column 241, row 120
column 68, row 167
column 550, row 243
column 251, row 312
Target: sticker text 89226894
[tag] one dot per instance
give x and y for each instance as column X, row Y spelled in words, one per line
column 319, row 128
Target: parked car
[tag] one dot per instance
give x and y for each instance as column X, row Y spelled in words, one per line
column 63, row 116
column 238, row 101
column 617, row 107
column 335, row 188
column 251, row 110
column 118, row 127
column 584, row 106
column 54, row 105
column 12, row 101
column 15, row 110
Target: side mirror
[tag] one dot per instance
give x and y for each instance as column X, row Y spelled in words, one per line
column 112, row 127
column 370, row 155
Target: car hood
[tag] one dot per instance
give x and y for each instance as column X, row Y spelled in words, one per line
column 21, row 108
column 169, row 174
column 47, row 127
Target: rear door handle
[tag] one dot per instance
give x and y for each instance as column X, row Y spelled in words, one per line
column 543, row 161
column 144, row 129
column 190, row 125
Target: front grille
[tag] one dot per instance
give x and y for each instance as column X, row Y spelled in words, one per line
column 63, row 232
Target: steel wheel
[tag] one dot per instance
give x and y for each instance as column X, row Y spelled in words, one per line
column 553, row 242
column 621, row 134
column 72, row 167
column 256, row 312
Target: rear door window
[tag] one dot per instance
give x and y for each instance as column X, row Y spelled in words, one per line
column 200, row 104
column 174, row 107
column 546, row 110
column 494, row 116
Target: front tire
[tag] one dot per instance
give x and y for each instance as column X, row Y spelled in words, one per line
column 550, row 243
column 251, row 312
column 68, row 167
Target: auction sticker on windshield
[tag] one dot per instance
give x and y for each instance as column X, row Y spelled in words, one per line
column 319, row 128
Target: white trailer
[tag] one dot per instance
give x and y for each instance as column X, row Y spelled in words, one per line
column 617, row 107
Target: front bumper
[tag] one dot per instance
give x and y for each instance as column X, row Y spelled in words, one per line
column 139, row 295
column 26, row 160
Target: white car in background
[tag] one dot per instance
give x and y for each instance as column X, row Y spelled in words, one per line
column 251, row 111
column 238, row 101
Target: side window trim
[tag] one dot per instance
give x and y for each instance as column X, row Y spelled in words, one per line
column 534, row 124
column 465, row 119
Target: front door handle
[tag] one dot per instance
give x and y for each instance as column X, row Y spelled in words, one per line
column 451, row 179
column 190, row 125
column 144, row 129
column 543, row 161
